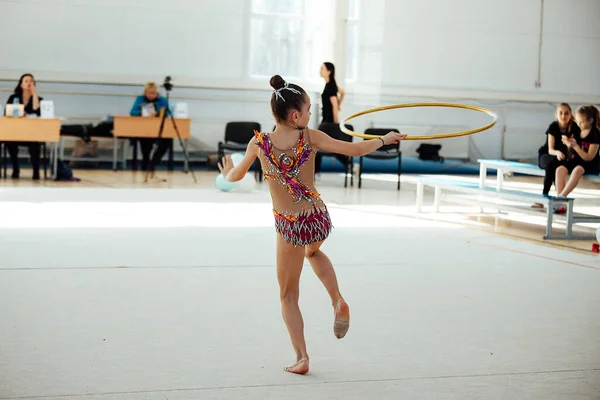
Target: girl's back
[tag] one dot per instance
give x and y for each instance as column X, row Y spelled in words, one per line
column 289, row 174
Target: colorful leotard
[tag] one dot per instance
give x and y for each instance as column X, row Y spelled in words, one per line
column 300, row 215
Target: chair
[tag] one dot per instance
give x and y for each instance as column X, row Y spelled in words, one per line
column 333, row 129
column 386, row 152
column 237, row 136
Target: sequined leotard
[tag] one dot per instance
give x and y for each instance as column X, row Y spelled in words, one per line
column 300, row 215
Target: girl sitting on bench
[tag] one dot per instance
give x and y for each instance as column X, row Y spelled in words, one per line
column 554, row 153
column 586, row 159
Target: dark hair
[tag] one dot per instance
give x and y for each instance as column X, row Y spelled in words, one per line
column 590, row 113
column 287, row 96
column 19, row 89
column 331, row 68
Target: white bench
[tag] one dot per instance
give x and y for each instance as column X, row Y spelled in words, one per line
column 502, row 166
column 500, row 199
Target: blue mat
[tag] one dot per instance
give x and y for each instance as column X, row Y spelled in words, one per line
column 410, row 165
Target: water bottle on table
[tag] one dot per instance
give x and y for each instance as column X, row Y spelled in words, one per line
column 15, row 109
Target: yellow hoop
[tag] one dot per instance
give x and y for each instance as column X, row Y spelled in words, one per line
column 426, row 137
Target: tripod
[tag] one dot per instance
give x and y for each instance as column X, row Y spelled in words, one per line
column 150, row 168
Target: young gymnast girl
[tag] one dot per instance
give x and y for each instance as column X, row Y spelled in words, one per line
column 302, row 223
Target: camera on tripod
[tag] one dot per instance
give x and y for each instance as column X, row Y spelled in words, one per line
column 167, row 84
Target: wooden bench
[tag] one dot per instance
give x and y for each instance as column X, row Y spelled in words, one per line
column 502, row 166
column 502, row 198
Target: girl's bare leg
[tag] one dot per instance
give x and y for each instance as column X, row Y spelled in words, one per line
column 324, row 270
column 561, row 179
column 573, row 181
column 289, row 268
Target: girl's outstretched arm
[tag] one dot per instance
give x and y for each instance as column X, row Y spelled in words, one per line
column 325, row 142
column 234, row 174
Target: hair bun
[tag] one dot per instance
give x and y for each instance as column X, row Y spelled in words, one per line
column 277, row 82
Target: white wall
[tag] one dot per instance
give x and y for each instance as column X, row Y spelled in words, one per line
column 124, row 40
column 462, row 44
column 493, row 46
column 481, row 52
column 571, row 47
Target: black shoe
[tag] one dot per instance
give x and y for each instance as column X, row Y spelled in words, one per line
column 15, row 174
column 36, row 176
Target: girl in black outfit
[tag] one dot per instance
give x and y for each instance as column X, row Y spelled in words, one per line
column 26, row 94
column 554, row 153
column 586, row 159
column 332, row 105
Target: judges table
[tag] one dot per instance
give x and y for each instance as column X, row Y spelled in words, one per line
column 31, row 130
column 147, row 127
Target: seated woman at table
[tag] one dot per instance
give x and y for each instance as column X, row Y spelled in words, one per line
column 151, row 104
column 26, row 93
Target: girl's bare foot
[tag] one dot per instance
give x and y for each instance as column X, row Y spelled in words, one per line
column 342, row 319
column 300, row 367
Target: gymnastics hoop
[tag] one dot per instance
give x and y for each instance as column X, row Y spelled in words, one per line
column 426, row 137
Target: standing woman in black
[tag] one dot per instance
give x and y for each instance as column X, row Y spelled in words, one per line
column 332, row 99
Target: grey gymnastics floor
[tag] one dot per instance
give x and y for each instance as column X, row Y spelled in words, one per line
column 172, row 294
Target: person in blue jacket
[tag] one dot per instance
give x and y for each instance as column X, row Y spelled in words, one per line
column 151, row 104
